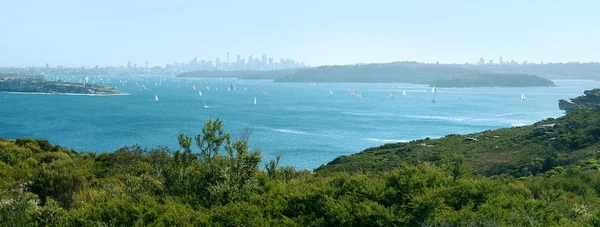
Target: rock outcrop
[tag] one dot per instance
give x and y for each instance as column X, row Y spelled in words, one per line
column 590, row 100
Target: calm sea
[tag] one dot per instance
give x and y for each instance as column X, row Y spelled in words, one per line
column 300, row 121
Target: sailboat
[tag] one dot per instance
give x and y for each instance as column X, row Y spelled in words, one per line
column 523, row 97
column 391, row 95
column 254, row 100
column 245, row 88
column 403, row 93
column 193, row 87
column 231, row 87
column 358, row 96
column 205, row 106
column 459, row 96
column 200, row 93
column 433, row 90
column 156, row 97
column 228, row 89
column 207, row 88
column 330, row 92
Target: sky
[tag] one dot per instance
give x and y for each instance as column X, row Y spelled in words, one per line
column 77, row 33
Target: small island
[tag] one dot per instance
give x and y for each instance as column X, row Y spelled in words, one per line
column 19, row 83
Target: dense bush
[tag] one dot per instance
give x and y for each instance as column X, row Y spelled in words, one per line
column 219, row 183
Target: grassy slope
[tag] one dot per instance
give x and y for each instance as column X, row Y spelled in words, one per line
column 518, row 151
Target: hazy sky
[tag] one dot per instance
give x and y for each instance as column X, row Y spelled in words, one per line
column 317, row 32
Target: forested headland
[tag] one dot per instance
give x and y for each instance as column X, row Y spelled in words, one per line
column 440, row 75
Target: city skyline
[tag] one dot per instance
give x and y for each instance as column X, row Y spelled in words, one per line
column 73, row 33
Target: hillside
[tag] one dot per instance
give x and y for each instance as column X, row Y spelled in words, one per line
column 518, row 151
column 396, row 72
column 220, row 184
column 494, row 80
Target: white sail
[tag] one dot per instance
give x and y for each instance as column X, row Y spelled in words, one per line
column 156, row 97
column 404, row 93
column 205, row 106
column 245, row 89
column 330, row 92
column 433, row 90
column 523, row 97
column 200, row 93
column 254, row 100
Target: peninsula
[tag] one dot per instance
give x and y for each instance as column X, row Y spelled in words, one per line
column 19, row 83
column 396, row 72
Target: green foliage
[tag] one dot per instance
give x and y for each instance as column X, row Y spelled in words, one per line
column 518, row 151
column 219, row 183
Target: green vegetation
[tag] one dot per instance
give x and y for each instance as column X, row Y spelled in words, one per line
column 494, row 80
column 215, row 180
column 396, row 72
column 520, row 151
column 19, row 83
column 590, row 100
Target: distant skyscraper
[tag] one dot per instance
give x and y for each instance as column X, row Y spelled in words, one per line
column 146, row 64
column 250, row 63
column 481, row 61
column 218, row 63
column 500, row 61
column 491, row 62
column 227, row 59
column 47, row 66
column 129, row 64
column 264, row 61
column 270, row 63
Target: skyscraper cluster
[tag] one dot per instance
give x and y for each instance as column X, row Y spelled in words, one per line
column 249, row 63
column 500, row 62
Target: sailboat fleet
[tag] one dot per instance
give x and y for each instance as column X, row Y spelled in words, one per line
column 391, row 95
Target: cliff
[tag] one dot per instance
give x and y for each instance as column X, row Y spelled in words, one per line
column 590, row 100
column 38, row 85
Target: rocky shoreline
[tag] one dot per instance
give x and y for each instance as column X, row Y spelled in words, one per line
column 37, row 85
column 590, row 100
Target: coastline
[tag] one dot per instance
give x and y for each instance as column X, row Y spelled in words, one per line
column 58, row 93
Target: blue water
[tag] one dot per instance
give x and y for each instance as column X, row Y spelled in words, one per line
column 301, row 122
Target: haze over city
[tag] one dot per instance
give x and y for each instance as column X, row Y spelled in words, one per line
column 74, row 33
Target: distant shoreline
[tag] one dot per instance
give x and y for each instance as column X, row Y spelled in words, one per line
column 59, row 93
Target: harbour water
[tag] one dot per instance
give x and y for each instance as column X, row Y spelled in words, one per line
column 300, row 121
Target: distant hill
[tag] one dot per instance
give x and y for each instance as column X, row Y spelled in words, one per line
column 518, row 151
column 571, row 70
column 494, row 80
column 396, row 72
